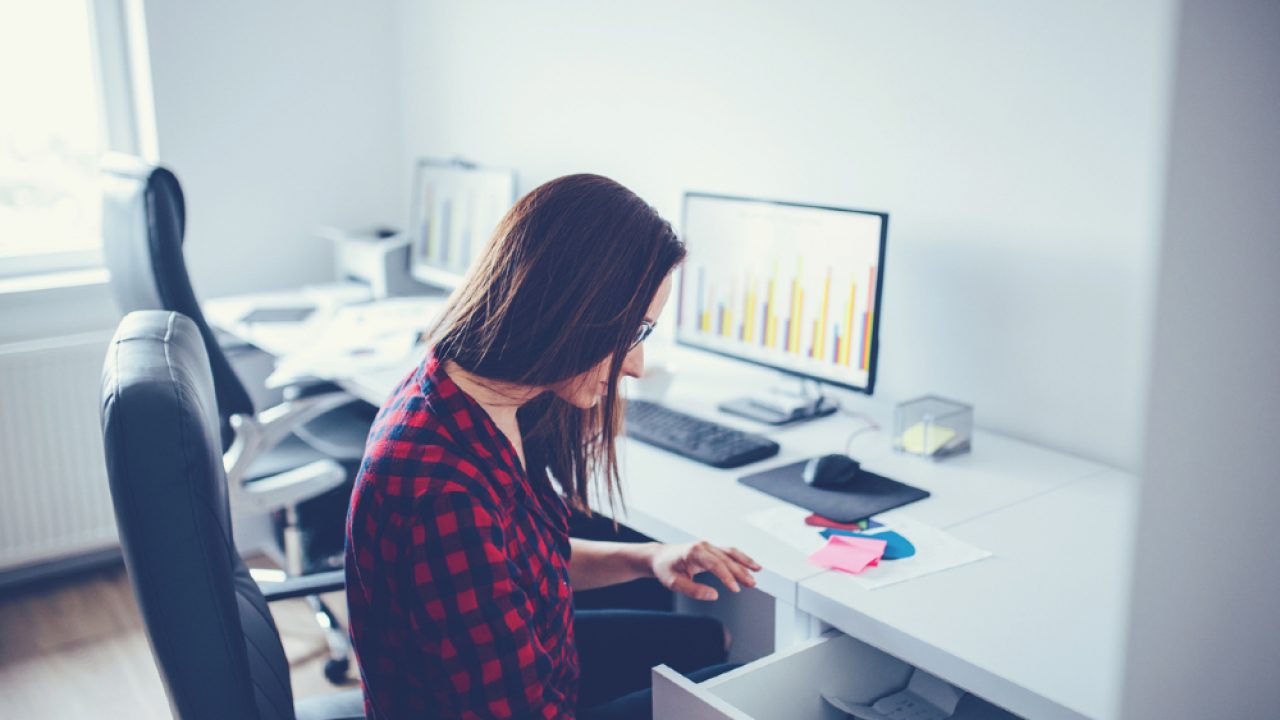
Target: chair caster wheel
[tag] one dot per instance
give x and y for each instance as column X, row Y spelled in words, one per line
column 336, row 671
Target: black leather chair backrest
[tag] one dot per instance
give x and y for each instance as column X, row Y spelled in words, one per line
column 144, row 221
column 214, row 640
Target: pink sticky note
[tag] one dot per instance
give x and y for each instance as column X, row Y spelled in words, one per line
column 849, row 554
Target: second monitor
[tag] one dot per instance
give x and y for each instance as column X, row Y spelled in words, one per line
column 785, row 285
column 454, row 210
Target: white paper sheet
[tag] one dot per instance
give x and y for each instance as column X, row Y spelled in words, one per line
column 358, row 339
column 935, row 549
column 786, row 523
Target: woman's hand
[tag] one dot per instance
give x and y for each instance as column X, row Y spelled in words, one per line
column 675, row 566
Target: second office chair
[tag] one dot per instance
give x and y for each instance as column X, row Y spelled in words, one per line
column 277, row 458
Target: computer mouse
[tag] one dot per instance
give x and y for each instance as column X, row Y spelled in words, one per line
column 831, row 472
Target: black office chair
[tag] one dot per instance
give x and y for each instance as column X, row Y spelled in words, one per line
column 212, row 635
column 302, row 451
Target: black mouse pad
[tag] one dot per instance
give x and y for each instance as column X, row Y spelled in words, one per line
column 869, row 495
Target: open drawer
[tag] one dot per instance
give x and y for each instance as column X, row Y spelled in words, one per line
column 789, row 685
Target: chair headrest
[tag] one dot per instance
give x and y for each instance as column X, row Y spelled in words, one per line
column 155, row 179
column 143, row 226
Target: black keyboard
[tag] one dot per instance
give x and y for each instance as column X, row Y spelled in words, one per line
column 694, row 438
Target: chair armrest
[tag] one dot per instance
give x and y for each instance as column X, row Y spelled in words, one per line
column 301, row 390
column 289, row 488
column 255, row 435
column 302, row 586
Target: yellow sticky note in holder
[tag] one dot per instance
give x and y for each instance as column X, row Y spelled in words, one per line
column 932, row 427
column 926, row 439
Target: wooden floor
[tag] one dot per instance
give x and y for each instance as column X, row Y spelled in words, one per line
column 76, row 648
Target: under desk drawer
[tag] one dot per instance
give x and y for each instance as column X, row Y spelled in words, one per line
column 783, row 686
column 788, row 685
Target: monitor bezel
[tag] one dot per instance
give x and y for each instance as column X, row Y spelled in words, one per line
column 879, row 305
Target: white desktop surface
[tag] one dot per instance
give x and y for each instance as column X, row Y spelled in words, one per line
column 1037, row 628
column 283, row 338
column 277, row 338
column 676, row 500
column 996, row 473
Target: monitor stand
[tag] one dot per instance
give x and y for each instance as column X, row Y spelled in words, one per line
column 781, row 405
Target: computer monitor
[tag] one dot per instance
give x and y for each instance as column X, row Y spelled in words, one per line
column 454, row 210
column 789, row 286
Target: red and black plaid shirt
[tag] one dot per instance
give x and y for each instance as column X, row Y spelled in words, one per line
column 457, row 567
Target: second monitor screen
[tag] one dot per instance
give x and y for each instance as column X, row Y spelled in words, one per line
column 794, row 287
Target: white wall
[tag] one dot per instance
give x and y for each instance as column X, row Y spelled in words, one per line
column 1205, row 634
column 1017, row 148
column 277, row 117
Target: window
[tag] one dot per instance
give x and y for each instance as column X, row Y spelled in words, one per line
column 70, row 87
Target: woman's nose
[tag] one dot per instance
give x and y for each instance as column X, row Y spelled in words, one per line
column 633, row 363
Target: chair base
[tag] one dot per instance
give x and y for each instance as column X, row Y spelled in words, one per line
column 338, row 665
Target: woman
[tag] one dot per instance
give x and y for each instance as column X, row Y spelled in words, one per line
column 460, row 570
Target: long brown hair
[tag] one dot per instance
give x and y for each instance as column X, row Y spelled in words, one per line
column 563, row 284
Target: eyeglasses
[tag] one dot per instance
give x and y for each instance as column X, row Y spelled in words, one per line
column 646, row 329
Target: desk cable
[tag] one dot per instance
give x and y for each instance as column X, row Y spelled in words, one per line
column 870, row 425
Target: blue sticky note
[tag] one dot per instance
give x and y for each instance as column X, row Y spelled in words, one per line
column 896, row 547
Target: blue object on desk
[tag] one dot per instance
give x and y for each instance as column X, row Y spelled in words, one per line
column 896, row 547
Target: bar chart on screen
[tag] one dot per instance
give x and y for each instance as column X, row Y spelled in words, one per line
column 771, row 313
column 455, row 208
column 794, row 287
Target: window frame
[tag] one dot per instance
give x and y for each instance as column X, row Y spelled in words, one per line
column 122, row 84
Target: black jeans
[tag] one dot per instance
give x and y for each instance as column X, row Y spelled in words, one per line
column 617, row 649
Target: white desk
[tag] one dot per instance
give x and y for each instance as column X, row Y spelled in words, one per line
column 1036, row 628
column 277, row 338
column 284, row 338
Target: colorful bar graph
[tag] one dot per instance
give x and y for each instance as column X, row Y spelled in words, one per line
column 824, row 317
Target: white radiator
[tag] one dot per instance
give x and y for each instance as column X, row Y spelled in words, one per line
column 54, row 499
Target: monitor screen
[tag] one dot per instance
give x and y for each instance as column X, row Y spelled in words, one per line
column 455, row 208
column 789, row 286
